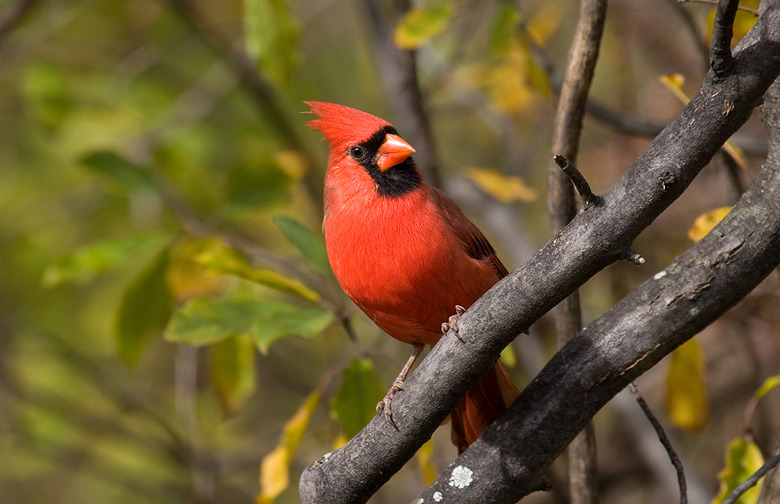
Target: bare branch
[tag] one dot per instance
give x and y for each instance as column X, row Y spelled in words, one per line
column 770, row 463
column 664, row 441
column 578, row 180
column 721, row 60
column 398, row 71
column 252, row 81
column 715, row 2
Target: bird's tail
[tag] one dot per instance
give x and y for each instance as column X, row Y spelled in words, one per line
column 482, row 405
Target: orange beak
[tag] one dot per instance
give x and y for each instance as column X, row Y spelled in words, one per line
column 393, row 152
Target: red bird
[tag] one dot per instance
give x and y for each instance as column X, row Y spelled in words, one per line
column 404, row 252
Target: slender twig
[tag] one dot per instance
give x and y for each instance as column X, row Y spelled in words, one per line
column 752, row 480
column 715, row 2
column 721, row 59
column 561, row 206
column 398, row 71
column 252, row 81
column 578, row 180
column 664, row 441
column 633, row 256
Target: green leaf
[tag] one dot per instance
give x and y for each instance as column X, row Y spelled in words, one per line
column 217, row 257
column 419, row 25
column 271, row 38
column 743, row 458
column 354, row 405
column 144, row 310
column 47, row 93
column 687, row 401
column 86, row 263
column 262, row 184
column 122, row 174
column 502, row 28
column 307, row 244
column 233, row 372
column 207, row 321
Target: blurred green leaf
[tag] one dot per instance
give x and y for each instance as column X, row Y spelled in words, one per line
column 144, row 310
column 502, row 27
column 258, row 186
column 307, row 244
column 233, row 371
column 354, row 405
column 122, row 174
column 223, row 259
column 207, row 321
column 687, row 401
column 421, row 24
column 47, row 94
column 743, row 458
column 271, row 38
column 91, row 260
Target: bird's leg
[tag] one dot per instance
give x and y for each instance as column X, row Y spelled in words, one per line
column 452, row 323
column 397, row 386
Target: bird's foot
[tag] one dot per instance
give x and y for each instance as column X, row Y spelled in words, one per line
column 452, row 323
column 385, row 404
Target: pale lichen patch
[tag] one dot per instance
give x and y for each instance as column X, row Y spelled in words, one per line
column 461, row 477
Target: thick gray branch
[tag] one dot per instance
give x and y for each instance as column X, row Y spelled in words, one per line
column 625, row 342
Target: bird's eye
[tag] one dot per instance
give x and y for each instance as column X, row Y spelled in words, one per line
column 357, row 152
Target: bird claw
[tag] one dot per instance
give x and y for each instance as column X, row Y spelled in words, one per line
column 452, row 323
column 385, row 404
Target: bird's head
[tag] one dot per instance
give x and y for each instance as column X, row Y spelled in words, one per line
column 364, row 141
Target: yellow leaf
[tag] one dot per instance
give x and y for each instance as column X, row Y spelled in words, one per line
column 743, row 458
column 187, row 279
column 292, row 163
column 508, row 356
column 340, row 441
column 505, row 188
column 545, row 22
column 274, row 475
column 769, row 384
column 421, row 24
column 275, row 467
column 427, row 470
column 706, row 222
column 687, row 402
column 743, row 21
column 674, row 83
column 218, row 257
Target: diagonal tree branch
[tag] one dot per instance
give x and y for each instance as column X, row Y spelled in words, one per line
column 622, row 344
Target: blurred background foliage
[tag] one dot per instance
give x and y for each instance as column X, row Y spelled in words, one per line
column 168, row 321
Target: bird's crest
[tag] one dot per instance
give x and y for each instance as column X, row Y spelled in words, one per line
column 341, row 125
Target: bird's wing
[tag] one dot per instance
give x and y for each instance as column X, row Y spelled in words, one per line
column 474, row 242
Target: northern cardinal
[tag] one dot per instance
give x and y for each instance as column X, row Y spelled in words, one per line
column 404, row 252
